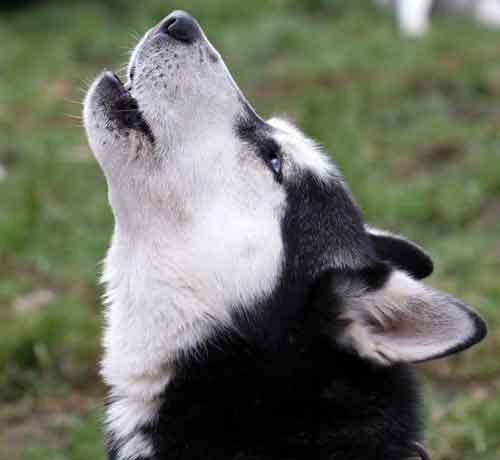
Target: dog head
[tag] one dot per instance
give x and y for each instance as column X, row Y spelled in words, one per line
column 218, row 212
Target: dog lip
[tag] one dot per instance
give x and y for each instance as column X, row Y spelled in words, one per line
column 110, row 75
column 121, row 106
column 117, row 78
column 110, row 86
column 125, row 109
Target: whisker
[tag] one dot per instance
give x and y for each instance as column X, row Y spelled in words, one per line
column 123, row 70
column 87, row 81
column 73, row 102
column 134, row 35
column 74, row 117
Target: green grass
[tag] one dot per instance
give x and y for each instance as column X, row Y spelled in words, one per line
column 414, row 126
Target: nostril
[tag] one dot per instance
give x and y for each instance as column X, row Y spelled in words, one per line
column 181, row 26
column 166, row 25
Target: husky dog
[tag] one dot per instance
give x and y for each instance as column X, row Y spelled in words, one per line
column 250, row 312
column 413, row 15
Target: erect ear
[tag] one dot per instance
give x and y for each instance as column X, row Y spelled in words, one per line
column 401, row 252
column 388, row 317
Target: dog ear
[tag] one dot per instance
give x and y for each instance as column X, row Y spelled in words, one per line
column 401, row 252
column 388, row 317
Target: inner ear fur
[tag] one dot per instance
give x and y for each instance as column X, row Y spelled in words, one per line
column 387, row 317
column 401, row 252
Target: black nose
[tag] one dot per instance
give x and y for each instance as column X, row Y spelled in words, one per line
column 181, row 26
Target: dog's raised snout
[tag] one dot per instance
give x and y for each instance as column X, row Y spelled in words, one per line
column 181, row 26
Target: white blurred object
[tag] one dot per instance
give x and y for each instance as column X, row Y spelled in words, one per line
column 488, row 12
column 414, row 15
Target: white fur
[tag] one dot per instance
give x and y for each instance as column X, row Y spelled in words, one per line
column 168, row 280
column 138, row 446
column 124, row 416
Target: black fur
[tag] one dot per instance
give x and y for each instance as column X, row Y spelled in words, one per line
column 304, row 400
column 403, row 254
column 274, row 387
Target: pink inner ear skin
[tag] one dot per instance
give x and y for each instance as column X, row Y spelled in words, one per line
column 405, row 321
column 430, row 327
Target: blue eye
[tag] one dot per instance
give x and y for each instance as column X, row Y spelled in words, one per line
column 269, row 151
column 275, row 164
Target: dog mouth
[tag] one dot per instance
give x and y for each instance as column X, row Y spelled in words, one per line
column 123, row 108
column 174, row 73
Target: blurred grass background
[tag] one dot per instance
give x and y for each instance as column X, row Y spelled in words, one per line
column 414, row 126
